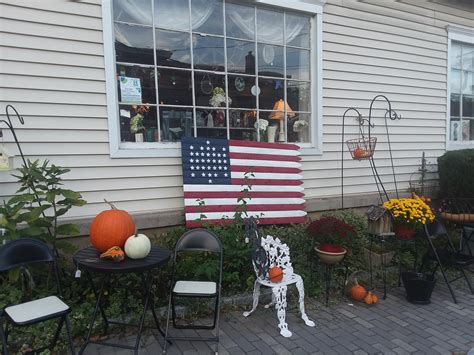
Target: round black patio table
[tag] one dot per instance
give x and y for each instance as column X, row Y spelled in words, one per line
column 88, row 260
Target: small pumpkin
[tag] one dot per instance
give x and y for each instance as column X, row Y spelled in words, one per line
column 275, row 274
column 137, row 246
column 360, row 153
column 368, row 298
column 358, row 292
column 115, row 253
column 375, row 299
column 111, row 228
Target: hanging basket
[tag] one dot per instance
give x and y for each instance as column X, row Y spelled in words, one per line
column 362, row 148
column 403, row 231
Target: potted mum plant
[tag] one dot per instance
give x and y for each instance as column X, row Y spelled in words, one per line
column 408, row 214
column 331, row 236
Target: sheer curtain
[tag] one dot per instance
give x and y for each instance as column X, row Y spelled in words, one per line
column 170, row 14
column 174, row 14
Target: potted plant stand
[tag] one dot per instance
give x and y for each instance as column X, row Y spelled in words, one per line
column 418, row 287
column 329, row 258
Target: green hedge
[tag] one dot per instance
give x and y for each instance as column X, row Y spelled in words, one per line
column 456, row 173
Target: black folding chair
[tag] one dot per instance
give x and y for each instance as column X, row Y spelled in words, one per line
column 21, row 253
column 446, row 257
column 197, row 240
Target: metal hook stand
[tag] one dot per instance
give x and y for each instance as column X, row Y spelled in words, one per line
column 10, row 126
column 363, row 148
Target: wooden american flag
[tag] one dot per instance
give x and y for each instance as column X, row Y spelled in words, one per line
column 214, row 177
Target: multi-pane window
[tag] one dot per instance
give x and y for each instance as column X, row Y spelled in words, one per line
column 211, row 68
column 462, row 92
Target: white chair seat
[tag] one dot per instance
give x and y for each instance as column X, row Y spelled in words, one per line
column 287, row 280
column 195, row 288
column 29, row 312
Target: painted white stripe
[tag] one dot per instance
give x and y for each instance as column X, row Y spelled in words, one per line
column 230, row 215
column 269, row 188
column 272, row 163
column 254, row 150
column 276, row 176
column 233, row 201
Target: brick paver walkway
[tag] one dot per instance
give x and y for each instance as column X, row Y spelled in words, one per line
column 393, row 326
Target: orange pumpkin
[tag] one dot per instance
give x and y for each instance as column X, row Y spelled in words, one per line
column 111, row 228
column 275, row 274
column 359, row 153
column 369, row 299
column 358, row 292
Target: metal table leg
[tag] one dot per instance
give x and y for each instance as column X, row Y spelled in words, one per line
column 105, row 280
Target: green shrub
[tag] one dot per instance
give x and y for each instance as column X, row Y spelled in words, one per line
column 456, row 173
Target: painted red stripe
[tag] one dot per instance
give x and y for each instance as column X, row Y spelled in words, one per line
column 237, row 194
column 266, row 182
column 263, row 145
column 264, row 169
column 250, row 208
column 276, row 157
column 276, row 220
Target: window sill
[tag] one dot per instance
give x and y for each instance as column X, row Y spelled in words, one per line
column 459, row 145
column 173, row 150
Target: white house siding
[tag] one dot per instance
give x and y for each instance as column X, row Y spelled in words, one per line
column 52, row 71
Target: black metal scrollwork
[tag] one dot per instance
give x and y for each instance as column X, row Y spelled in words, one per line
column 259, row 255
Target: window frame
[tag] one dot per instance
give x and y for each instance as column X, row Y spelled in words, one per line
column 120, row 149
column 464, row 35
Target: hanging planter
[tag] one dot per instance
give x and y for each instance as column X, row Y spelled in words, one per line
column 404, row 231
column 362, row 148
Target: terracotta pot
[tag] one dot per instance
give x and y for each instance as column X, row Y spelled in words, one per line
column 330, row 258
column 404, row 231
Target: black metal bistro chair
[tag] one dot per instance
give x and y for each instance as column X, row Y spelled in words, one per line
column 196, row 240
column 447, row 256
column 21, row 253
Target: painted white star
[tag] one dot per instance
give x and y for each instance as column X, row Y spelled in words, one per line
column 210, row 181
column 207, row 142
column 208, row 167
column 215, row 174
column 191, row 147
column 219, row 161
column 193, row 175
column 218, row 154
column 191, row 160
column 225, row 167
column 214, row 168
column 225, row 174
column 203, row 174
column 197, row 167
column 208, row 155
column 223, row 149
column 213, row 154
column 208, row 160
column 213, row 148
column 208, row 148
column 220, row 167
column 201, row 147
column 192, row 167
column 214, row 161
column 223, row 155
column 203, row 167
column 210, row 175
column 202, row 154
column 203, row 160
column 225, row 161
column 191, row 154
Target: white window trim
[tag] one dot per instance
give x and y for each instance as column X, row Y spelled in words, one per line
column 172, row 149
column 458, row 34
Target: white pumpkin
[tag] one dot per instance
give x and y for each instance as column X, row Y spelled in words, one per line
column 137, row 246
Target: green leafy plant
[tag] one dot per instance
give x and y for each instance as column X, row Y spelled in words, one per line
column 455, row 173
column 38, row 203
